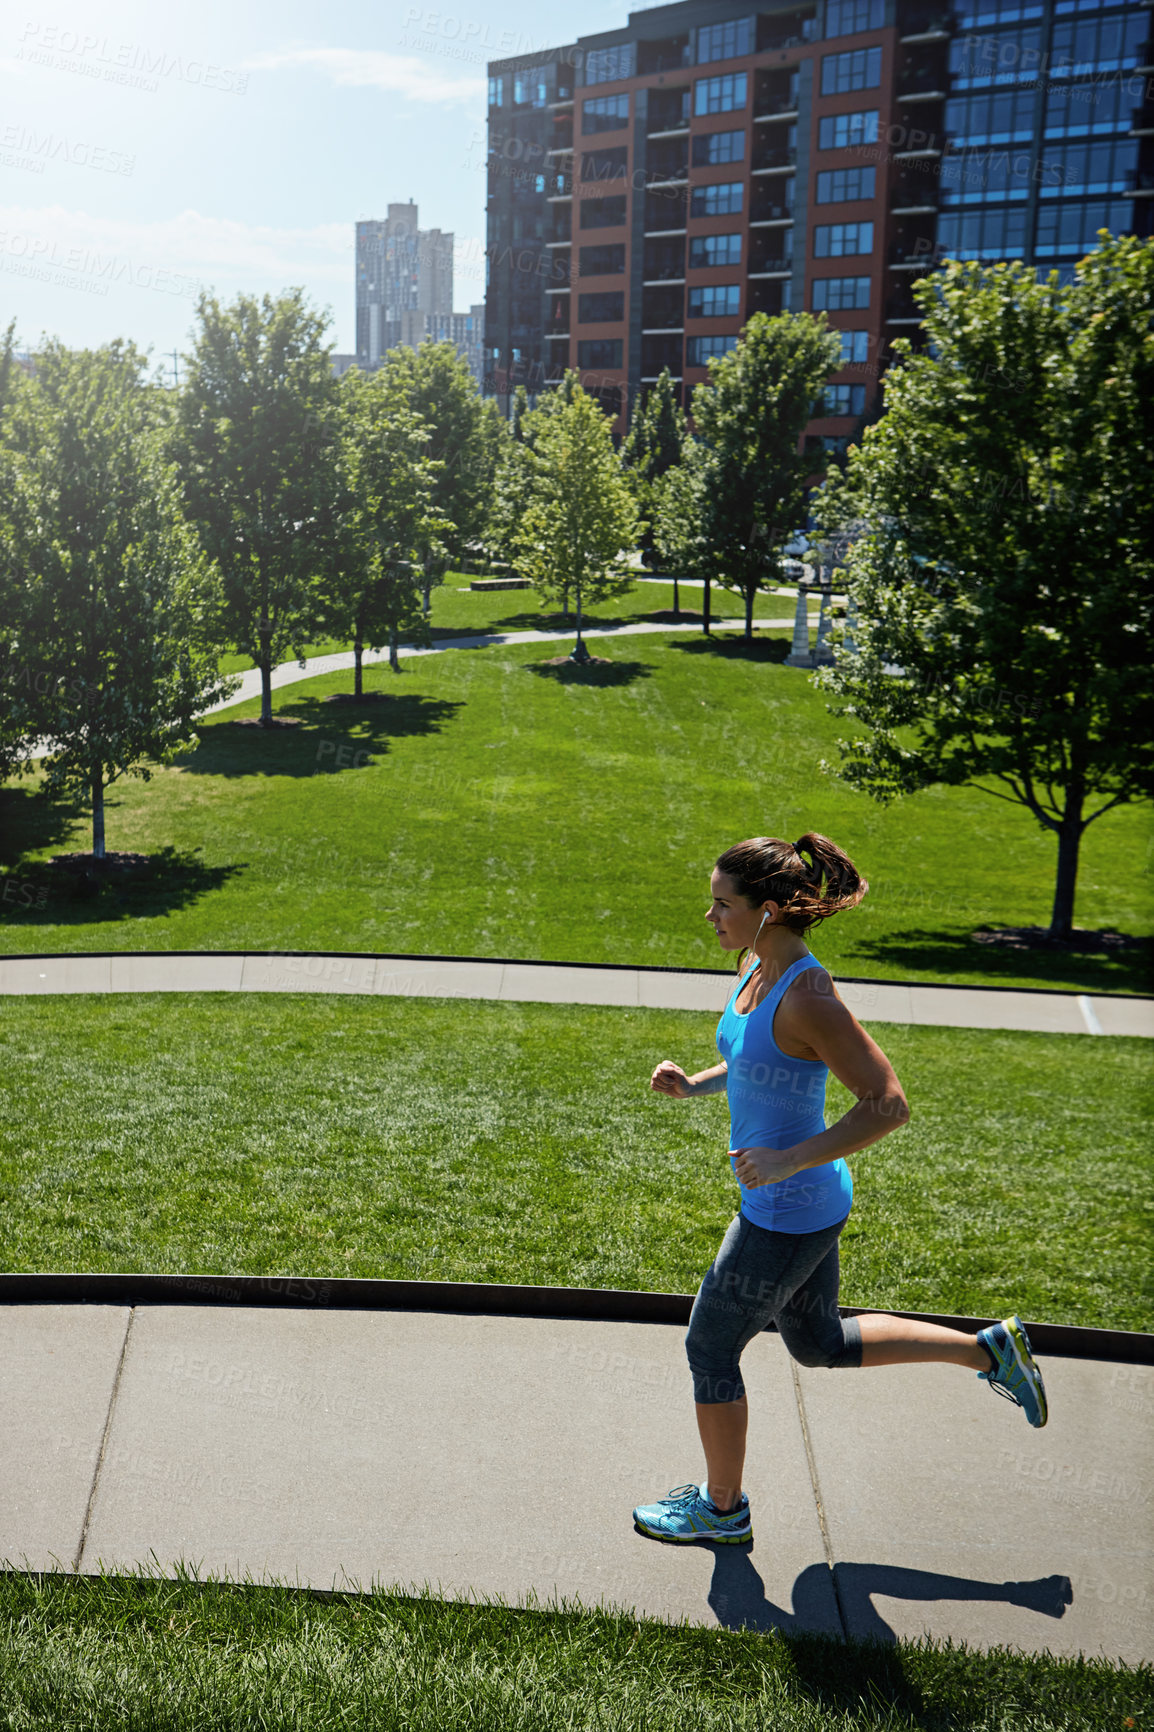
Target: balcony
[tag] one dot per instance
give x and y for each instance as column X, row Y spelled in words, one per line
column 929, row 26
column 915, row 197
column 923, row 80
column 773, row 265
column 913, row 255
column 668, row 111
column 774, row 162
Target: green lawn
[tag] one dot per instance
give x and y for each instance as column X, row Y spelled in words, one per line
column 438, row 1139
column 491, row 804
column 110, row 1653
column 455, row 610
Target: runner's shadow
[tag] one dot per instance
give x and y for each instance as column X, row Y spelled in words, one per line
column 738, row 1599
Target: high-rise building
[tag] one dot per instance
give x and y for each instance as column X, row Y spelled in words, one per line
column 651, row 187
column 404, row 280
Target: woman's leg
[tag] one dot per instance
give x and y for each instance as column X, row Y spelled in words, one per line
column 753, row 1275
column 889, row 1340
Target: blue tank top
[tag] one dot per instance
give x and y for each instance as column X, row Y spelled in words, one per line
column 777, row 1101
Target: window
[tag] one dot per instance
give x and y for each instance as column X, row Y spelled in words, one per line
column 1096, row 165
column 496, row 93
column 710, row 148
column 600, row 309
column 1072, row 229
column 1080, row 109
column 602, row 213
column 847, row 17
column 982, row 176
column 699, row 351
column 1085, row 45
column 719, row 95
column 706, row 250
column 604, row 113
column 837, row 240
column 838, row 294
column 602, row 261
column 836, row 185
column 855, row 348
column 599, row 352
column 721, row 199
column 857, row 69
column 529, row 92
column 538, row 183
column 994, row 117
column 972, row 13
column 725, row 41
column 1007, row 58
column 716, row 301
column 605, row 65
column 839, row 131
column 842, row 400
column 990, row 234
column 610, row 164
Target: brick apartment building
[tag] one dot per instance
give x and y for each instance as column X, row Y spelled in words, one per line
column 650, row 188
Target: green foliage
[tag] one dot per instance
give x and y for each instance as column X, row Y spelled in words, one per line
column 580, row 519
column 1002, row 549
column 370, row 591
column 653, row 447
column 436, row 383
column 749, row 418
column 255, row 441
column 111, row 647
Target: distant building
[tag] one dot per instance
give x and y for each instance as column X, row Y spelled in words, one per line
column 651, row 187
column 342, row 363
column 405, row 293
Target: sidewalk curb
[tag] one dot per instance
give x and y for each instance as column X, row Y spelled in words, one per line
column 539, row 962
column 478, row 1298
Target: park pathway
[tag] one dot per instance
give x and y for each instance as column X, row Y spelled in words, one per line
column 555, row 983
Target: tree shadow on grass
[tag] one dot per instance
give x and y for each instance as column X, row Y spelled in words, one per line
column 595, row 673
column 733, row 648
column 326, row 737
column 73, row 889
column 919, row 952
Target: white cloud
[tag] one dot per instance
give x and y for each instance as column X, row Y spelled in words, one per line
column 198, row 245
column 400, row 74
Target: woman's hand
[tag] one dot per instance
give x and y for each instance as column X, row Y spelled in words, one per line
column 762, row 1166
column 670, row 1079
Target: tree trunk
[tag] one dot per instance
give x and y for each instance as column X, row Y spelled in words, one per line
column 426, row 594
column 393, row 662
column 676, row 599
column 1069, row 843
column 358, row 689
column 97, row 813
column 265, row 675
column 705, row 600
column 749, row 595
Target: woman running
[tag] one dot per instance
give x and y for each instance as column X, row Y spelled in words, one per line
column 782, row 1032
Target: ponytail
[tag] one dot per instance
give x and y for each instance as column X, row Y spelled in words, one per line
column 810, row 879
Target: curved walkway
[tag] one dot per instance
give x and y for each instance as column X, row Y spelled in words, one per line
column 555, row 983
column 288, row 673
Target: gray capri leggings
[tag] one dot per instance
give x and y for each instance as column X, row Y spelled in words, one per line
column 759, row 1276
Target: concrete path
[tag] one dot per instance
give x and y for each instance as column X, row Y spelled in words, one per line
column 288, row 673
column 490, row 1455
column 555, row 983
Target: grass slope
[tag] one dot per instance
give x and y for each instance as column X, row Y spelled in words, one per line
column 491, row 804
column 104, row 1654
column 456, row 1140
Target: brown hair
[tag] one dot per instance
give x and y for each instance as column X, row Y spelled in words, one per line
column 765, row 869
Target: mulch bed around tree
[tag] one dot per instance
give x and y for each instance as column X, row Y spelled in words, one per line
column 255, row 722
column 1038, row 938
column 365, row 698
column 567, row 661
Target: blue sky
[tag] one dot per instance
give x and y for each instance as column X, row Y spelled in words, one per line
column 147, row 152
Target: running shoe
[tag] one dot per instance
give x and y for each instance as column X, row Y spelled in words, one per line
column 1014, row 1373
column 687, row 1514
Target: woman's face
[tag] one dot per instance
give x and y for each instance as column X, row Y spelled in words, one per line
column 734, row 919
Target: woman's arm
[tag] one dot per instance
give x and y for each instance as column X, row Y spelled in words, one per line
column 670, row 1079
column 834, row 1034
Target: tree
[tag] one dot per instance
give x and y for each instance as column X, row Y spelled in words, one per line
column 514, row 481
column 751, row 416
column 117, row 631
column 580, row 519
column 437, row 385
column 371, row 590
column 13, row 745
column 653, row 446
column 1004, row 579
column 255, row 440
column 680, row 519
